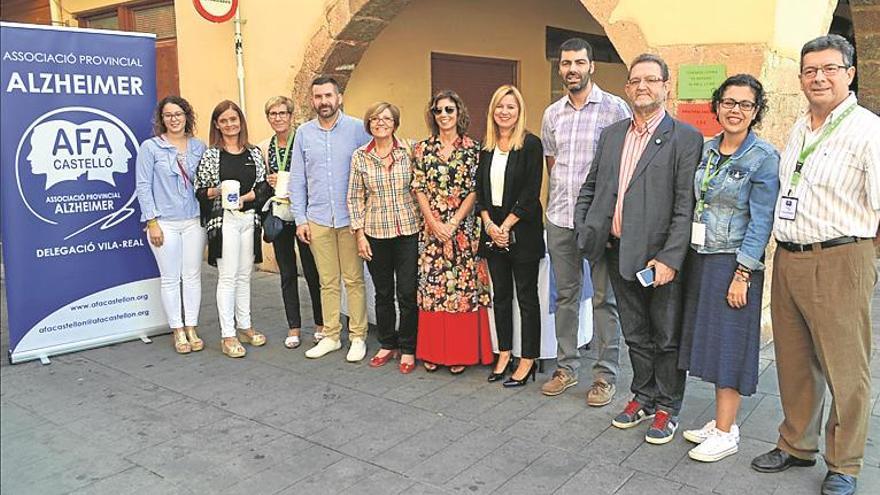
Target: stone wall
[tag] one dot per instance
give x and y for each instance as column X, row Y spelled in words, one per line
column 866, row 25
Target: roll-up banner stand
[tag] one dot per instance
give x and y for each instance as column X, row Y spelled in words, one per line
column 76, row 103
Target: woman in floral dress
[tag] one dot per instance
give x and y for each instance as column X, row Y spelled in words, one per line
column 453, row 281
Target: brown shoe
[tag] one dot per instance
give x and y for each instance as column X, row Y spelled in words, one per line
column 601, row 393
column 561, row 381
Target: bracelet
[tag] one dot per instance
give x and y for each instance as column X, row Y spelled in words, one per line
column 455, row 223
column 151, row 222
column 489, row 225
column 743, row 268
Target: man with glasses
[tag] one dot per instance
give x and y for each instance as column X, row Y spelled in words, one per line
column 322, row 150
column 634, row 211
column 569, row 133
column 823, row 273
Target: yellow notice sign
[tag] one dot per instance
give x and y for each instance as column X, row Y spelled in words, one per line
column 697, row 82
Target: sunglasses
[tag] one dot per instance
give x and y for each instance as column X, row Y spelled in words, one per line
column 448, row 109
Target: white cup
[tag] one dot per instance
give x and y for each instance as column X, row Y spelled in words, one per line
column 282, row 184
column 229, row 191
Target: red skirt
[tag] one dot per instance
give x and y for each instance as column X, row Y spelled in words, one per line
column 451, row 339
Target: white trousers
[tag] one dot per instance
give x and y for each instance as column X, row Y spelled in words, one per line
column 180, row 260
column 236, row 263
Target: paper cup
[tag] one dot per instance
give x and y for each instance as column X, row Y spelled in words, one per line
column 282, row 185
column 229, row 191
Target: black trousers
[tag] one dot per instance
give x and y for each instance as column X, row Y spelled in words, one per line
column 394, row 269
column 505, row 275
column 285, row 256
column 651, row 322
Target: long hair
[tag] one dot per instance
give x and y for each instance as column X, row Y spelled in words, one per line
column 519, row 130
column 216, row 137
column 159, row 127
column 464, row 118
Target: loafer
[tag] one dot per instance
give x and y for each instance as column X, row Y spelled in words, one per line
column 560, row 382
column 357, row 351
column 324, row 347
column 778, row 460
column 601, row 393
column 838, row 484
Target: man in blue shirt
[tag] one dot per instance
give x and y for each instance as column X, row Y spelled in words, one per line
column 322, row 149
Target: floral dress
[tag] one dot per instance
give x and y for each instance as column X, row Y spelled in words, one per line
column 453, row 281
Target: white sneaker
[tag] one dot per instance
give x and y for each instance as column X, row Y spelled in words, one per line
column 324, row 347
column 357, row 351
column 699, row 436
column 715, row 447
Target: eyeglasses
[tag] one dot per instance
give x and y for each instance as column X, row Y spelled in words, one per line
column 382, row 120
column 450, row 110
column 829, row 70
column 744, row 105
column 278, row 115
column 173, row 116
column 649, row 81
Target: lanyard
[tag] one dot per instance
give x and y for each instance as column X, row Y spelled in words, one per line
column 707, row 177
column 186, row 179
column 808, row 150
column 281, row 161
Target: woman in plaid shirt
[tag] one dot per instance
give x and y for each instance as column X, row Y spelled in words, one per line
column 385, row 221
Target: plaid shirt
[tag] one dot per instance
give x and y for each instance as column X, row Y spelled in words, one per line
column 380, row 199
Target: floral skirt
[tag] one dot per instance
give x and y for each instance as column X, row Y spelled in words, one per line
column 451, row 339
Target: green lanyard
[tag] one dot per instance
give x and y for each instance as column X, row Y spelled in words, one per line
column 707, row 177
column 807, row 151
column 281, row 160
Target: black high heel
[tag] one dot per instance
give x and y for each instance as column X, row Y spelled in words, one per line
column 494, row 377
column 511, row 382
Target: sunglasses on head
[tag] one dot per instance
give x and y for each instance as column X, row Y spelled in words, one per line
column 448, row 109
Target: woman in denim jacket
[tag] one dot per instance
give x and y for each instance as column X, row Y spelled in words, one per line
column 736, row 185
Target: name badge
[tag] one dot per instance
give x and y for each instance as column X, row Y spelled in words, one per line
column 788, row 208
column 698, row 234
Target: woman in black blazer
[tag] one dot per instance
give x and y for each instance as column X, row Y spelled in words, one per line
column 508, row 189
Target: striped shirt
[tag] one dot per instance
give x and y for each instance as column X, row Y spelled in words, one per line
column 570, row 136
column 839, row 191
column 634, row 144
column 380, row 199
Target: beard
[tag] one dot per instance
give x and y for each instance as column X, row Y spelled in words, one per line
column 579, row 85
column 327, row 110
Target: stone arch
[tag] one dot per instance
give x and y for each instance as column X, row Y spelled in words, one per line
column 349, row 26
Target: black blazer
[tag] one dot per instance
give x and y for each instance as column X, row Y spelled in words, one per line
column 522, row 190
column 658, row 205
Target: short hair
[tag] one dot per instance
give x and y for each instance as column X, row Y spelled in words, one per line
column 464, row 118
column 744, row 80
column 650, row 57
column 216, row 137
column 279, row 100
column 159, row 127
column 321, row 80
column 830, row 42
column 576, row 45
column 519, row 130
column 376, row 108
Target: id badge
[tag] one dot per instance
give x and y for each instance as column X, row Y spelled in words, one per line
column 698, row 234
column 788, row 208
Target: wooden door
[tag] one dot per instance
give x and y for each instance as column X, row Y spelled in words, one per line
column 475, row 79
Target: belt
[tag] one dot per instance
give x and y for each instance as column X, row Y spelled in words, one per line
column 800, row 248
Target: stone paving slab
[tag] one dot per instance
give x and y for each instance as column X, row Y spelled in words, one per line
column 136, row 418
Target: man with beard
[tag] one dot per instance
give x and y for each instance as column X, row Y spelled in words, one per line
column 322, row 149
column 569, row 133
column 634, row 211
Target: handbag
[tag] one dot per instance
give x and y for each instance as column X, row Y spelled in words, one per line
column 272, row 226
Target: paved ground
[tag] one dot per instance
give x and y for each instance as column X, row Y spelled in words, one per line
column 136, row 418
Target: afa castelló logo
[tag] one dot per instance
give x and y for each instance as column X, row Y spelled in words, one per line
column 75, row 168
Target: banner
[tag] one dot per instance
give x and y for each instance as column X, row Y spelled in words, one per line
column 76, row 103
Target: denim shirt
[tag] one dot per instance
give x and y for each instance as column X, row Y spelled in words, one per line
column 319, row 170
column 162, row 190
column 740, row 200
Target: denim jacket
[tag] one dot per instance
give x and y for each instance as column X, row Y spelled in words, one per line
column 740, row 200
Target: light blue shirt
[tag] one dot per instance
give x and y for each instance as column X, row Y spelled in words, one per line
column 162, row 190
column 320, row 169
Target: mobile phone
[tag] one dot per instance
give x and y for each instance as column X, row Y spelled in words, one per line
column 646, row 277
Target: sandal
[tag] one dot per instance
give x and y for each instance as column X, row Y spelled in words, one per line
column 232, row 347
column 292, row 341
column 457, row 370
column 429, row 367
column 253, row 338
column 195, row 343
column 181, row 345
